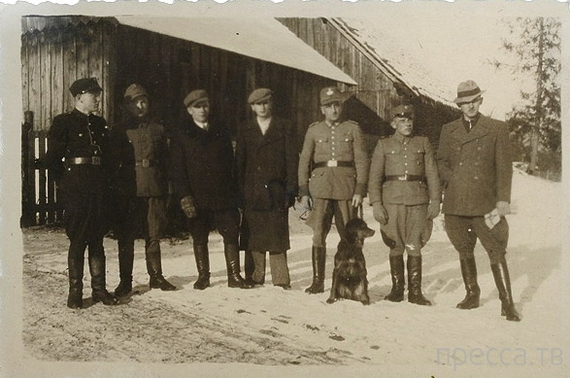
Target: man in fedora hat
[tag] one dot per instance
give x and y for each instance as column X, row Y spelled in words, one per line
column 202, row 162
column 405, row 194
column 81, row 139
column 476, row 170
column 333, row 174
column 139, row 151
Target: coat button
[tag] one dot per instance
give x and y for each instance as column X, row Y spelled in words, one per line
column 476, row 178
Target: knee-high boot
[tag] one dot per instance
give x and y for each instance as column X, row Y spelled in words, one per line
column 469, row 273
column 202, row 258
column 75, row 297
column 126, row 259
column 415, row 281
column 503, row 282
column 98, row 285
column 319, row 255
column 398, row 280
column 231, row 252
column 154, row 267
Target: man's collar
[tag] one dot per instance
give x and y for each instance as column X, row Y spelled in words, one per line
column 401, row 138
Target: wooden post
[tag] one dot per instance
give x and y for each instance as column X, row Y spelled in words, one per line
column 28, row 171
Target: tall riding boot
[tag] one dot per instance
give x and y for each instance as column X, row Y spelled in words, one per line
column 126, row 259
column 469, row 273
column 398, row 280
column 203, row 266
column 415, row 281
column 249, row 266
column 503, row 282
column 231, row 252
column 75, row 298
column 154, row 268
column 319, row 255
column 99, row 289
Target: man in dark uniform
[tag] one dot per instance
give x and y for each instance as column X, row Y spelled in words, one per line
column 139, row 151
column 202, row 162
column 335, row 151
column 81, row 138
column 405, row 193
column 474, row 160
column 266, row 160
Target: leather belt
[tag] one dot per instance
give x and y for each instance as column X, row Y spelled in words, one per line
column 405, row 177
column 92, row 160
column 145, row 163
column 333, row 163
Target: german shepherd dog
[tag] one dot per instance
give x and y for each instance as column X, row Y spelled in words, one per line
column 349, row 275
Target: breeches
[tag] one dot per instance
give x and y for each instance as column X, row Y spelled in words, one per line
column 225, row 221
column 407, row 229
column 321, row 218
column 146, row 216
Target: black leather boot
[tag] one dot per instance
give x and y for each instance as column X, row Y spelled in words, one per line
column 319, row 255
column 231, row 252
column 398, row 281
column 249, row 267
column 154, row 268
column 203, row 266
column 503, row 282
column 75, row 297
column 126, row 259
column 99, row 290
column 415, row 281
column 469, row 273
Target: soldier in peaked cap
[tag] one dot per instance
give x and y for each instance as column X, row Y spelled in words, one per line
column 405, row 194
column 139, row 161
column 476, row 169
column 335, row 151
column 81, row 139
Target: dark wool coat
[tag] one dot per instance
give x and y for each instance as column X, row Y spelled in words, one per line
column 202, row 166
column 475, row 167
column 266, row 167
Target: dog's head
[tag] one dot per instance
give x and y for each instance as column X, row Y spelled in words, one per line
column 357, row 230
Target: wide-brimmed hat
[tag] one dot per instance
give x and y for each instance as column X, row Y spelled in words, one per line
column 195, row 96
column 467, row 91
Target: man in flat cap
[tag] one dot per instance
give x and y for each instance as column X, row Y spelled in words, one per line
column 405, row 194
column 474, row 160
column 81, row 139
column 333, row 173
column 266, row 161
column 202, row 162
column 139, row 160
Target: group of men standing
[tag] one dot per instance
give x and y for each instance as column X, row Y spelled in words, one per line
column 263, row 178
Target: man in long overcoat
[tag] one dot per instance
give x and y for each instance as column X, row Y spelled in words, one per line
column 266, row 161
column 202, row 162
column 333, row 173
column 475, row 166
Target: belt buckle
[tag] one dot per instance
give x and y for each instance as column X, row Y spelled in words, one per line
column 403, row 177
column 96, row 160
column 332, row 163
column 145, row 163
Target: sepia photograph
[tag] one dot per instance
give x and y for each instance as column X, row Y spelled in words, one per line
column 266, row 189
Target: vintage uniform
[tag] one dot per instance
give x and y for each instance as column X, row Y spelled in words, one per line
column 139, row 151
column 78, row 156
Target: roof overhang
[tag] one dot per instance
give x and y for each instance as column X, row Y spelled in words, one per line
column 264, row 39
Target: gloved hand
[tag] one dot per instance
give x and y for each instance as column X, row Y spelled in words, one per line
column 289, row 200
column 379, row 213
column 433, row 210
column 188, row 206
column 503, row 208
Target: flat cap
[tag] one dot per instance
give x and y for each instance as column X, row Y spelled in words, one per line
column 404, row 111
column 195, row 96
column 134, row 91
column 84, row 85
column 331, row 94
column 259, row 94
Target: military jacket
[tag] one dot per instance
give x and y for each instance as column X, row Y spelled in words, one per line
column 342, row 142
column 400, row 156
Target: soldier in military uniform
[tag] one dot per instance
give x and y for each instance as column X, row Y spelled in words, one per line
column 81, row 138
column 333, row 172
column 405, row 194
column 139, row 151
column 475, row 166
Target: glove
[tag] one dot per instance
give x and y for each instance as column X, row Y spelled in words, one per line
column 379, row 213
column 289, row 200
column 433, row 210
column 188, row 206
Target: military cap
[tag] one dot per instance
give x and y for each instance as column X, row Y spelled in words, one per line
column 331, row 94
column 467, row 91
column 259, row 94
column 195, row 96
column 134, row 91
column 404, row 111
column 85, row 85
